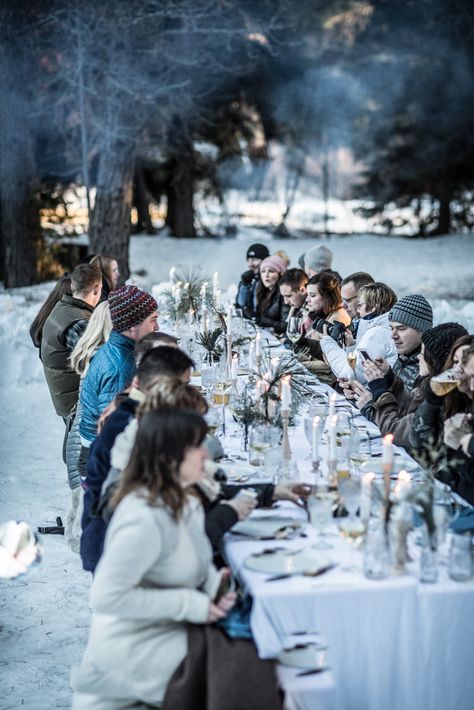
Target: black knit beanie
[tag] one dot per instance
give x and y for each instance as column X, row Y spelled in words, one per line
column 440, row 339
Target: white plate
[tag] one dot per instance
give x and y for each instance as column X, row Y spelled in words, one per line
column 399, row 464
column 283, row 562
column 236, row 471
column 271, row 526
column 311, row 656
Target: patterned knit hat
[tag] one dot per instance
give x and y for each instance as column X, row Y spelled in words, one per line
column 318, row 258
column 274, row 262
column 440, row 339
column 257, row 251
column 413, row 311
column 130, row 306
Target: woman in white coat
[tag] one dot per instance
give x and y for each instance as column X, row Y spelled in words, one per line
column 155, row 575
column 373, row 338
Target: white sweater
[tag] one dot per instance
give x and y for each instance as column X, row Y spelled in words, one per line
column 373, row 335
column 154, row 577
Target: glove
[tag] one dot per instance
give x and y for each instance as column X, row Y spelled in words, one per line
column 247, row 277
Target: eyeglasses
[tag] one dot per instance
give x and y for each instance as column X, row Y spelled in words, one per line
column 348, row 300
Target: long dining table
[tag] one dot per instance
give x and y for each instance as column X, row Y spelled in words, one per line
column 393, row 644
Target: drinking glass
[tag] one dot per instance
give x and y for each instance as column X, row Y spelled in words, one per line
column 460, row 558
column 262, row 437
column 221, row 390
column 320, row 504
column 350, row 527
column 293, row 329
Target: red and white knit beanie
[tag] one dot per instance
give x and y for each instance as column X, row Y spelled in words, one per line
column 130, row 306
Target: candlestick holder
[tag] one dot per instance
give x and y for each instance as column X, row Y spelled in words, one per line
column 315, row 465
column 332, row 474
column 285, row 444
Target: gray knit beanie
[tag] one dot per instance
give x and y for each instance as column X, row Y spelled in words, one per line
column 413, row 311
column 318, row 258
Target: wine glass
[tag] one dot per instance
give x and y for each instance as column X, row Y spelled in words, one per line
column 293, row 329
column 320, row 504
column 350, row 527
column 262, row 438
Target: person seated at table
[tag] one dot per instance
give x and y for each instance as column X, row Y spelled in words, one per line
column 394, row 408
column 246, row 292
column 292, row 285
column 222, row 503
column 271, row 311
column 324, row 304
column 373, row 339
column 156, row 574
column 458, row 434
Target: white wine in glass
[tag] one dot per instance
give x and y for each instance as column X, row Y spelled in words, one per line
column 293, row 331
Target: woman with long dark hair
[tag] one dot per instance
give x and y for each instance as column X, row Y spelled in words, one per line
column 155, row 575
column 270, row 309
column 110, row 273
column 36, row 328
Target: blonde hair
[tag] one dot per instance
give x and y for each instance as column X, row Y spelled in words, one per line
column 171, row 392
column 379, row 298
column 96, row 334
column 283, row 255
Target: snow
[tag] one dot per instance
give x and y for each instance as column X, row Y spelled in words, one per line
column 45, row 616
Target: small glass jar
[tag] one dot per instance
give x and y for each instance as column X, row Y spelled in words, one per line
column 376, row 553
column 460, row 558
column 428, row 558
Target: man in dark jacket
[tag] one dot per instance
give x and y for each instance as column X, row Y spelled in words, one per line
column 409, row 318
column 158, row 361
column 62, row 329
column 250, row 278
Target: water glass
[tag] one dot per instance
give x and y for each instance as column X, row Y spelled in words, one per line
column 320, row 514
column 262, row 437
column 208, row 376
column 376, row 554
column 460, row 558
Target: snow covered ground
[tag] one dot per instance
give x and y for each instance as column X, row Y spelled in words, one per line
column 44, row 617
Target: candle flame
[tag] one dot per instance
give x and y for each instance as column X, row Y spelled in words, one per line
column 368, row 477
column 388, row 439
column 404, row 477
column 316, row 421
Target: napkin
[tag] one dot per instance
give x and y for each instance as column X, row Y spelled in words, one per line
column 464, row 522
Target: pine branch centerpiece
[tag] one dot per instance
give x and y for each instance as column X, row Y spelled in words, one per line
column 188, row 294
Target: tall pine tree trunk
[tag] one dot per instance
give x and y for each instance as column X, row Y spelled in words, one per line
column 444, row 196
column 109, row 228
column 19, row 209
column 180, row 193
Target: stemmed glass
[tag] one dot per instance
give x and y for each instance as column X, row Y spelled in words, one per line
column 350, row 527
column 262, row 438
column 221, row 396
column 293, row 330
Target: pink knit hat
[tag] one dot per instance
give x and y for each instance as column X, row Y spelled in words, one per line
column 274, row 262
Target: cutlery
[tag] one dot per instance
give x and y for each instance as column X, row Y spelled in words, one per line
column 304, row 573
column 312, row 671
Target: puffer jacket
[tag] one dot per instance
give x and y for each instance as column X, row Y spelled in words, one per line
column 274, row 315
column 98, row 465
column 373, row 335
column 111, row 371
column 73, row 449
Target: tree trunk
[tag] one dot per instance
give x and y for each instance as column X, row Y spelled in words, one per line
column 444, row 220
column 141, row 201
column 109, row 228
column 19, row 209
column 180, row 194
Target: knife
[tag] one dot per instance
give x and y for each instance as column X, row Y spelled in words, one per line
column 305, row 573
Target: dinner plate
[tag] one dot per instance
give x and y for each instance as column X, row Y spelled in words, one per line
column 266, row 528
column 284, row 562
column 236, row 471
column 311, row 655
column 376, row 465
